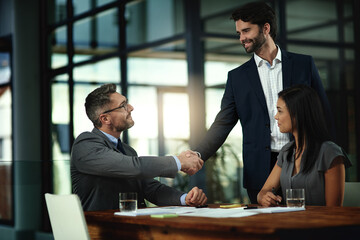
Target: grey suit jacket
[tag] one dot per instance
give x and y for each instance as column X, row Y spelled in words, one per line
column 99, row 172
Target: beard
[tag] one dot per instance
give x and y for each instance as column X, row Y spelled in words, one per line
column 129, row 122
column 257, row 43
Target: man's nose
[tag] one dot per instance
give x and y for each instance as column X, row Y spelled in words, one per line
column 130, row 107
column 242, row 38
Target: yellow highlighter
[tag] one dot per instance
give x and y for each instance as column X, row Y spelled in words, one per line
column 232, row 206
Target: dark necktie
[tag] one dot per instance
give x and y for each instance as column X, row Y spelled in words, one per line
column 120, row 146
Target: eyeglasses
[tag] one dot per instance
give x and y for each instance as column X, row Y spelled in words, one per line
column 124, row 105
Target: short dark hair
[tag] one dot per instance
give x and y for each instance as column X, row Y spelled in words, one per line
column 257, row 13
column 306, row 113
column 97, row 100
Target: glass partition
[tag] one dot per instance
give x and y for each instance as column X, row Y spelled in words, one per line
column 311, row 20
column 145, row 20
column 157, row 71
column 224, row 169
column 214, row 7
column 96, row 35
column 143, row 136
column 6, row 141
column 82, row 6
column 60, row 137
column 99, row 72
column 58, row 49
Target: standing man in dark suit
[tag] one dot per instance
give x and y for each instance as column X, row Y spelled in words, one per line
column 251, row 95
column 102, row 166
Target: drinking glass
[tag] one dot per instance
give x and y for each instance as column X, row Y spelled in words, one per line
column 295, row 197
column 128, row 202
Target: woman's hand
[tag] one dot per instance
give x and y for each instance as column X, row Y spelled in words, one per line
column 265, row 197
column 268, row 199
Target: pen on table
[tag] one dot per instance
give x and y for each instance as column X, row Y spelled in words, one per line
column 250, row 207
column 202, row 206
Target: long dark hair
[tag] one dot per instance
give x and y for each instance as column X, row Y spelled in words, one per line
column 306, row 113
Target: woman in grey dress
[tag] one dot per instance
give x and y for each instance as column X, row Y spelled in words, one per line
column 311, row 161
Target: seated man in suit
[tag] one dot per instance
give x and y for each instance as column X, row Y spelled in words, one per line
column 102, row 166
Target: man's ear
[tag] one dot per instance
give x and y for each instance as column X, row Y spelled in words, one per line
column 104, row 119
column 266, row 28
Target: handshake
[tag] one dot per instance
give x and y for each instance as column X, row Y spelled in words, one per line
column 190, row 162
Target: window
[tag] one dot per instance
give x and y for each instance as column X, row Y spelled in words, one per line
column 6, row 145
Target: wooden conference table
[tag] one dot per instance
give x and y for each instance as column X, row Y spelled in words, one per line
column 314, row 223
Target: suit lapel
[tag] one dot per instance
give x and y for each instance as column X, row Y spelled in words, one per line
column 286, row 69
column 128, row 149
column 99, row 133
column 254, row 80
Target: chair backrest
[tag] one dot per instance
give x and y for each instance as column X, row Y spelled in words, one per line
column 66, row 217
column 352, row 194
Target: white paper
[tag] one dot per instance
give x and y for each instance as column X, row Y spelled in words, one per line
column 219, row 213
column 277, row 209
column 207, row 212
column 157, row 211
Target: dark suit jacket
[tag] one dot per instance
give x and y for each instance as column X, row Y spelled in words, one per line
column 99, row 172
column 244, row 100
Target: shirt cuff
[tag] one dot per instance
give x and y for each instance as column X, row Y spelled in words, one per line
column 182, row 199
column 177, row 162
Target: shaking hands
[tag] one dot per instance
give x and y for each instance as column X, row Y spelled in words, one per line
column 190, row 162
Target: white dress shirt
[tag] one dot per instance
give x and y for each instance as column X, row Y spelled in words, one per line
column 271, row 79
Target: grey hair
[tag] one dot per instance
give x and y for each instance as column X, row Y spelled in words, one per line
column 97, row 100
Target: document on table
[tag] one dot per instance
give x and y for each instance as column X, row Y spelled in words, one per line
column 219, row 213
column 207, row 212
column 277, row 209
column 236, row 212
column 156, row 211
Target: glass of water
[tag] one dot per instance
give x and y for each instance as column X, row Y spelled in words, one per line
column 128, row 202
column 295, row 197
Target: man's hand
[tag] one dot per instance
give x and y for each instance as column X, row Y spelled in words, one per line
column 190, row 162
column 195, row 197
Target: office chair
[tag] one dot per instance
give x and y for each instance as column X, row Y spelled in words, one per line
column 352, row 194
column 66, row 217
